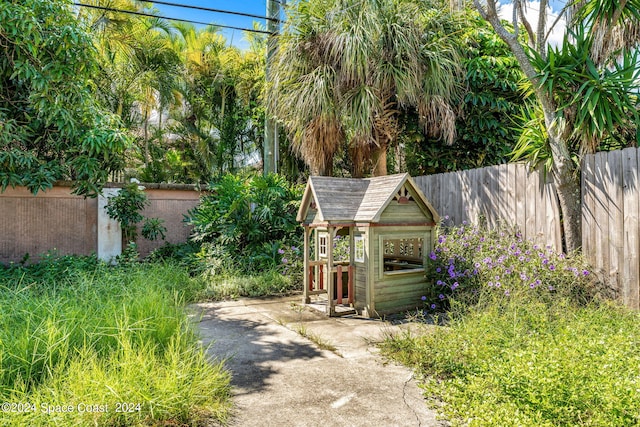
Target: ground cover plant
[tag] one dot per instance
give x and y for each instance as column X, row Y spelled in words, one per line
column 114, row 344
column 527, row 342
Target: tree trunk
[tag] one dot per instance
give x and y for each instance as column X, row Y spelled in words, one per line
column 566, row 178
column 380, row 161
column 147, row 155
column 565, row 175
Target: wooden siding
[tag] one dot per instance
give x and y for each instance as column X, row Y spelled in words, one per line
column 409, row 212
column 395, row 292
column 510, row 194
column 360, row 286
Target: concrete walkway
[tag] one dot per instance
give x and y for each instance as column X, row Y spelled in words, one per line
column 332, row 376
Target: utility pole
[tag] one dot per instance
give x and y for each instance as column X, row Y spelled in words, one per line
column 271, row 149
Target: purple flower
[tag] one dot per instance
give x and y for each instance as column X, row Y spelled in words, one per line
column 490, row 284
column 507, row 293
column 284, row 260
column 423, row 298
column 454, row 286
column 280, row 251
column 293, row 248
column 438, row 270
column 551, row 288
column 439, row 283
column 441, row 239
column 585, row 272
column 433, row 306
column 433, row 256
column 441, row 296
column 552, row 267
column 523, row 276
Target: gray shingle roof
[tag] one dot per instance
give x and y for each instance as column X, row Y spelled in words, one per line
column 350, row 199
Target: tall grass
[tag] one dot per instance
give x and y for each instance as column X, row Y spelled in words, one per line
column 540, row 350
column 75, row 332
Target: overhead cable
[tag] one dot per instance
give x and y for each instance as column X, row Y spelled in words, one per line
column 149, row 15
column 208, row 9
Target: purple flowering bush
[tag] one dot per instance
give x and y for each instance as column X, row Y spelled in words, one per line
column 469, row 262
column 526, row 342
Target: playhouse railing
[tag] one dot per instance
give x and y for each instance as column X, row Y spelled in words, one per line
column 316, row 286
column 339, row 295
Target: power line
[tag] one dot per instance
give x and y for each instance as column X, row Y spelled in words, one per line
column 148, row 15
column 208, row 9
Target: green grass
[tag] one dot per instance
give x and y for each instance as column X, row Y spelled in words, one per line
column 267, row 283
column 521, row 363
column 74, row 331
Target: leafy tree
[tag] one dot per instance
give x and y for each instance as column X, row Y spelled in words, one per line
column 491, row 109
column 140, row 75
column 220, row 124
column 586, row 87
column 51, row 126
column 346, row 68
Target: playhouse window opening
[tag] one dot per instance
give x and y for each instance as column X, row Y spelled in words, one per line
column 403, row 255
column 322, row 245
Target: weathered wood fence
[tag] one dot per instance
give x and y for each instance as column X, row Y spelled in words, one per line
column 516, row 196
column 610, row 213
column 511, row 194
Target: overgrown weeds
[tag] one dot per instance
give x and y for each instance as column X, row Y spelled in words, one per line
column 541, row 349
column 74, row 332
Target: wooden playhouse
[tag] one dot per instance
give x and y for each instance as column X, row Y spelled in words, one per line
column 365, row 243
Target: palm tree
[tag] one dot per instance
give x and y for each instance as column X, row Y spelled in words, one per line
column 140, row 70
column 345, row 69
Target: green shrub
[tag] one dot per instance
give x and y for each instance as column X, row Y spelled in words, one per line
column 244, row 222
column 78, row 331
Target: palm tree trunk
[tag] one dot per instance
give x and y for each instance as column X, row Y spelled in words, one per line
column 380, row 160
column 147, row 155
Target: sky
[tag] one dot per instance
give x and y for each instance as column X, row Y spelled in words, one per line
column 258, row 7
column 555, row 38
column 235, row 37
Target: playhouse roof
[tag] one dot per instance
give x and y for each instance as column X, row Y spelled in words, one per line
column 353, row 199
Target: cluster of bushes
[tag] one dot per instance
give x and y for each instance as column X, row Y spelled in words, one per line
column 527, row 340
column 77, row 333
column 248, row 235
